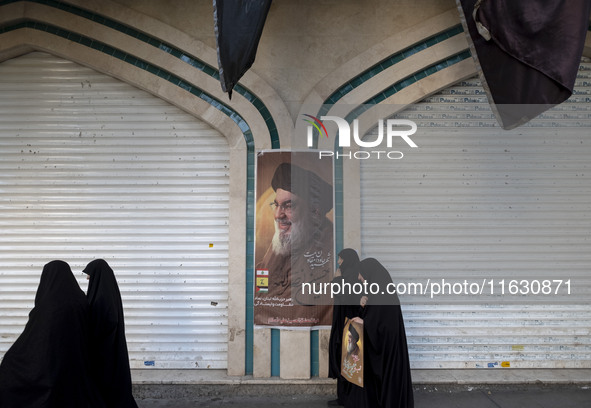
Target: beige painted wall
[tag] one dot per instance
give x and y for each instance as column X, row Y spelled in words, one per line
column 303, row 40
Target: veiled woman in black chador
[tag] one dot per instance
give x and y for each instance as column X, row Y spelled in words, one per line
column 47, row 366
column 387, row 377
column 346, row 305
column 110, row 360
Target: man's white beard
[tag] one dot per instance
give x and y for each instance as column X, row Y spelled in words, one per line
column 293, row 241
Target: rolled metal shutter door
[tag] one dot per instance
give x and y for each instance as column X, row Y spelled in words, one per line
column 92, row 167
column 487, row 204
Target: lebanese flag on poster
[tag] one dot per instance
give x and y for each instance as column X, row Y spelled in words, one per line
column 527, row 52
column 262, row 281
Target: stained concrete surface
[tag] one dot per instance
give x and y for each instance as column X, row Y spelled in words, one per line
column 426, row 396
column 468, row 388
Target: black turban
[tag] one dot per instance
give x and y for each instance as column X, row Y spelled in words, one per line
column 305, row 184
column 354, row 333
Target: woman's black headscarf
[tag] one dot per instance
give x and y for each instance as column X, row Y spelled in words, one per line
column 386, row 364
column 345, row 306
column 379, row 283
column 48, row 364
column 350, row 265
column 109, row 356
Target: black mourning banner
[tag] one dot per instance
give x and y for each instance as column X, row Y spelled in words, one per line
column 527, row 52
column 238, row 27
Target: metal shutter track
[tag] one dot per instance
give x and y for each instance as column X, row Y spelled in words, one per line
column 93, row 167
column 487, row 204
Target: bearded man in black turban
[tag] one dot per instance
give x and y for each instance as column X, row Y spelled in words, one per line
column 301, row 250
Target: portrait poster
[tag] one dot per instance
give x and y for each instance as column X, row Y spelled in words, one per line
column 294, row 244
column 352, row 353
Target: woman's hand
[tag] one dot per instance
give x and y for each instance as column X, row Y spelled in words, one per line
column 363, row 301
column 357, row 320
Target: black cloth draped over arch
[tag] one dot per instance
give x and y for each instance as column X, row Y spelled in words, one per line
column 527, row 52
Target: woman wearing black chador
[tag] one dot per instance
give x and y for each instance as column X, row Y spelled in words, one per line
column 110, row 360
column 387, row 378
column 48, row 365
column 345, row 306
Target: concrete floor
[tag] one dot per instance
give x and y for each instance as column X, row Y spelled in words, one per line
column 425, row 397
column 482, row 388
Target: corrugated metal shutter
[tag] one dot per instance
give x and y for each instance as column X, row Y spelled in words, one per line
column 93, row 167
column 482, row 204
